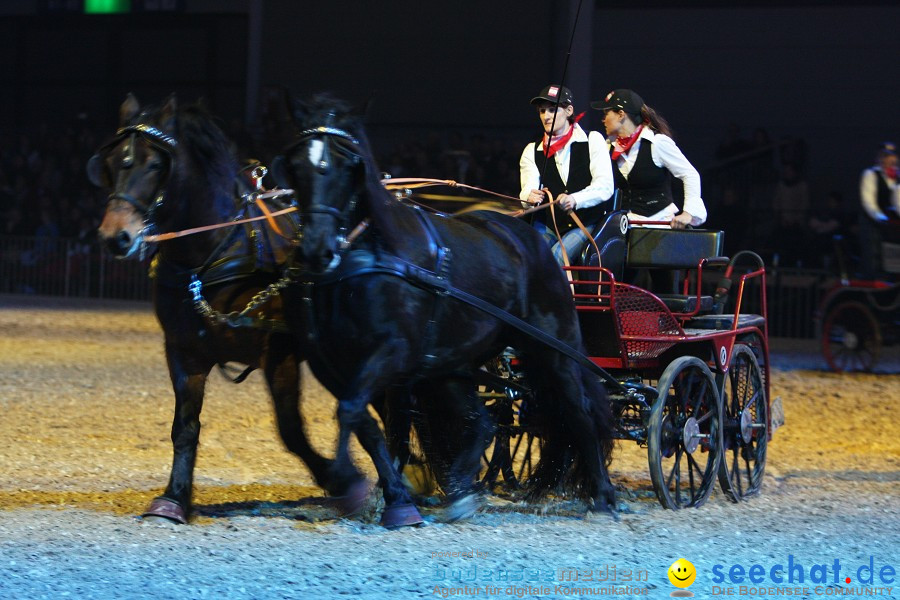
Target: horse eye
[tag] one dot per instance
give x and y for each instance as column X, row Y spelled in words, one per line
column 155, row 165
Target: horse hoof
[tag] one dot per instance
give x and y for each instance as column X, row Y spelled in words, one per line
column 355, row 499
column 166, row 509
column 609, row 508
column 401, row 515
column 463, row 508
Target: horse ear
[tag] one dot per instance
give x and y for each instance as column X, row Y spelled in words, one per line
column 128, row 110
column 167, row 115
column 299, row 111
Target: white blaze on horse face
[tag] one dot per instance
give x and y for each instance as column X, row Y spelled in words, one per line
column 315, row 152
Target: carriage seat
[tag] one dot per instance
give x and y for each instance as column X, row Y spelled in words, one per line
column 610, row 239
column 675, row 249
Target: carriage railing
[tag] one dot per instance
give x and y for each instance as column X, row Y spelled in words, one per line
column 645, row 327
column 594, row 288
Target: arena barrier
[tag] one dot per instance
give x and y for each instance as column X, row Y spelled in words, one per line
column 71, row 268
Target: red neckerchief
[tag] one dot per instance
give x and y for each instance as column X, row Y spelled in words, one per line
column 623, row 145
column 891, row 172
column 561, row 141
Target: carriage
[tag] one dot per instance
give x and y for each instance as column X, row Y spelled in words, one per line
column 687, row 373
column 858, row 318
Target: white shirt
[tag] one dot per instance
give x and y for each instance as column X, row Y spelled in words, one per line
column 868, row 193
column 667, row 155
column 602, row 185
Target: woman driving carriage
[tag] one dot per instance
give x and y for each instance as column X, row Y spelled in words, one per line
column 569, row 163
column 643, row 151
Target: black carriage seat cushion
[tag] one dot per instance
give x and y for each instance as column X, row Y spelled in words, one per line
column 724, row 322
column 610, row 239
column 675, row 249
column 686, row 304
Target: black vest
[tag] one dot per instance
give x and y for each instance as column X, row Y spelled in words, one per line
column 884, row 195
column 579, row 178
column 647, row 189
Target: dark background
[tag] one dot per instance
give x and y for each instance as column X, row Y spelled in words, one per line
column 823, row 73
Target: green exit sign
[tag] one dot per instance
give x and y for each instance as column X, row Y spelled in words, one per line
column 106, row 7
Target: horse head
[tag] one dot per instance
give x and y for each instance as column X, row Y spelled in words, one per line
column 160, row 159
column 135, row 165
column 326, row 166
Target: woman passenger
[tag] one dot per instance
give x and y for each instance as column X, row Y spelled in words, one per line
column 643, row 154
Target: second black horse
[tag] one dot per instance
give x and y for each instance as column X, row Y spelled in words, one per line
column 386, row 294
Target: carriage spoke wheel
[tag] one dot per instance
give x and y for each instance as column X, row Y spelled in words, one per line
column 745, row 426
column 851, row 338
column 684, row 434
column 509, row 461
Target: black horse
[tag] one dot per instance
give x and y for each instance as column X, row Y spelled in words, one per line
column 425, row 300
column 171, row 168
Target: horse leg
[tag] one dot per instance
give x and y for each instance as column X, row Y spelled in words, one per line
column 474, row 429
column 399, row 509
column 393, row 407
column 353, row 416
column 282, row 371
column 189, row 384
column 350, row 488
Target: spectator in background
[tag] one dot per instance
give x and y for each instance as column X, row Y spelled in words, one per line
column 790, row 206
column 733, row 144
column 879, row 196
column 763, row 161
column 826, row 221
column 731, row 216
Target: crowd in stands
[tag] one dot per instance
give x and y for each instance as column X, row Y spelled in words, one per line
column 44, row 191
column 757, row 191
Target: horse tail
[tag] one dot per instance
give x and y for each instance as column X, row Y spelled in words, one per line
column 600, row 409
column 561, row 466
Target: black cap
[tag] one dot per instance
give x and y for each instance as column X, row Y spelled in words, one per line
column 553, row 94
column 887, row 148
column 625, row 100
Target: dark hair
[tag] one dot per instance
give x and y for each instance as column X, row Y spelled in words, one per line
column 655, row 121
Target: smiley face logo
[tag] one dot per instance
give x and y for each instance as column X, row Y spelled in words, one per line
column 682, row 573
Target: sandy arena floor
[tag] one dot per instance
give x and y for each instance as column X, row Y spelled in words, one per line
column 84, row 445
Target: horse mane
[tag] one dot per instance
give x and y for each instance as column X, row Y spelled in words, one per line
column 209, row 151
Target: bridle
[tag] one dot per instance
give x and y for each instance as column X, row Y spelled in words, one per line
column 161, row 141
column 343, row 142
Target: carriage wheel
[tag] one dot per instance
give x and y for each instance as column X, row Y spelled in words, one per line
column 745, row 426
column 684, row 436
column 515, row 451
column 851, row 338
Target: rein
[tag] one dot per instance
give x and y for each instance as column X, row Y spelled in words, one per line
column 267, row 215
column 419, row 182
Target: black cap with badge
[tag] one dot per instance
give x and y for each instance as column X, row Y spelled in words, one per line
column 625, row 100
column 553, row 94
